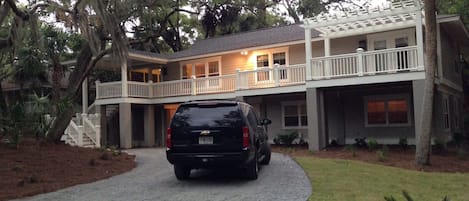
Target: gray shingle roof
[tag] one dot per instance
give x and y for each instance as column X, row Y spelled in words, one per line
column 243, row 40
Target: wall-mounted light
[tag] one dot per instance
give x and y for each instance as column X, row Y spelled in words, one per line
column 244, row 52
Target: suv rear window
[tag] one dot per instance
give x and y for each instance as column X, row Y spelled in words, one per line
column 207, row 115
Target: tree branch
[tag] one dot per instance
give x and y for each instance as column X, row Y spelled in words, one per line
column 23, row 15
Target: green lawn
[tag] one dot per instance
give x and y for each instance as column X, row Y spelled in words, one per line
column 344, row 180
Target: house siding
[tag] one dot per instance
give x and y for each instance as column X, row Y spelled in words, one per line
column 271, row 107
column 345, row 114
column 449, row 54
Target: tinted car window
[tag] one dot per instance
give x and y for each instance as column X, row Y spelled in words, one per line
column 252, row 118
column 207, row 116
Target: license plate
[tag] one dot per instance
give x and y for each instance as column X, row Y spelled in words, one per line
column 206, row 140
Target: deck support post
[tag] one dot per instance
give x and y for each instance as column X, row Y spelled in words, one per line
column 84, row 96
column 125, row 92
column 419, row 33
column 308, row 54
column 360, row 61
column 277, row 75
column 327, row 62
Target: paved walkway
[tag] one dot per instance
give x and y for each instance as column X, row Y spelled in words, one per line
column 153, row 179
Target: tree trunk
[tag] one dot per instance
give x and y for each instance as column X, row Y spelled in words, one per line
column 64, row 117
column 423, row 149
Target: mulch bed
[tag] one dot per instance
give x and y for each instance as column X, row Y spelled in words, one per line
column 38, row 167
column 449, row 161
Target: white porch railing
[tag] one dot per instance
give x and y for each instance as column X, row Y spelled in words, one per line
column 108, row 90
column 366, row 63
column 84, row 131
column 347, row 65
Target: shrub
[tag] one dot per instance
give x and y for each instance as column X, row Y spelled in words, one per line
column 105, row 156
column 360, row 142
column 351, row 148
column 461, row 154
column 403, row 143
column 439, row 146
column 372, row 144
column 334, row 143
column 382, row 156
column 458, row 139
column 288, row 138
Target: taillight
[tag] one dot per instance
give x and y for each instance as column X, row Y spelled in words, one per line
column 169, row 143
column 245, row 137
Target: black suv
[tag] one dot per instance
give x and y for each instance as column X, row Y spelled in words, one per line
column 211, row 134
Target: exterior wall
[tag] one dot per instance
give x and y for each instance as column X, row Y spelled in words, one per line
column 449, row 54
column 271, row 107
column 455, row 114
column 344, row 125
column 173, row 72
column 345, row 45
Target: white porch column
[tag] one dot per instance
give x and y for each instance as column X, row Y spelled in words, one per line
column 149, row 122
column 419, row 33
column 125, row 92
column 309, row 54
column 84, row 96
column 327, row 52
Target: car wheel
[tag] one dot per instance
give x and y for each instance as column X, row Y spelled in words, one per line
column 252, row 169
column 267, row 153
column 181, row 172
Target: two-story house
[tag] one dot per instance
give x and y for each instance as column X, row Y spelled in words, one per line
column 335, row 77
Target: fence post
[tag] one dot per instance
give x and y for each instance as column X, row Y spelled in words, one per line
column 97, row 89
column 150, row 89
column 277, row 75
column 193, row 87
column 360, row 61
column 98, row 130
column 238, row 79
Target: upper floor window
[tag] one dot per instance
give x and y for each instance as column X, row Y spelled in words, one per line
column 387, row 110
column 201, row 68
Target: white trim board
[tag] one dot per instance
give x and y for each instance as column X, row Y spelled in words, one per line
column 385, row 78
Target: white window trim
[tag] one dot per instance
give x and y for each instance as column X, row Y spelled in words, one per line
column 270, row 53
column 205, row 61
column 295, row 103
column 386, row 98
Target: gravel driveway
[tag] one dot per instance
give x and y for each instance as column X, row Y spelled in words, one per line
column 153, row 179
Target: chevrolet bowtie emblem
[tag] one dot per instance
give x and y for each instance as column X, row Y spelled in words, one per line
column 205, row 132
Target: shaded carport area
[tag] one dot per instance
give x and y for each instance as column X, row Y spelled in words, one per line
column 384, row 112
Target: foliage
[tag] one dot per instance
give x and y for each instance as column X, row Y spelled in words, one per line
column 458, row 139
column 382, row 155
column 458, row 7
column 372, row 144
column 360, row 142
column 439, row 146
column 288, row 137
column 403, row 143
column 351, row 148
column 408, row 197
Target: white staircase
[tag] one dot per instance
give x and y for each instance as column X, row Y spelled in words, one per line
column 83, row 131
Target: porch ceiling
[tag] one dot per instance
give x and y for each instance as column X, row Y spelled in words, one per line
column 398, row 14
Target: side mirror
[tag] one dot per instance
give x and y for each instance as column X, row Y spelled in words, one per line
column 266, row 122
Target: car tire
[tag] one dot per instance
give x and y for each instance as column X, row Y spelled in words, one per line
column 267, row 153
column 252, row 169
column 182, row 172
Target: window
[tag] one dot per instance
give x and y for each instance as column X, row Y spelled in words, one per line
column 402, row 57
column 201, row 68
column 263, row 62
column 382, row 111
column 268, row 59
column 294, row 115
column 446, row 122
column 279, row 58
column 456, row 112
